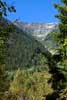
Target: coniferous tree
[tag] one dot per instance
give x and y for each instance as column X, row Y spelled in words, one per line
column 62, row 16
column 62, row 39
column 58, row 78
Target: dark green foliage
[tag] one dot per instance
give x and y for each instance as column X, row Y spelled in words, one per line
column 4, row 34
column 4, row 8
column 3, row 77
column 62, row 16
column 58, row 77
column 62, row 35
column 58, row 66
column 3, row 80
column 22, row 50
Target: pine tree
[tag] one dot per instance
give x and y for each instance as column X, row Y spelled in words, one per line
column 62, row 39
column 58, row 78
column 62, row 16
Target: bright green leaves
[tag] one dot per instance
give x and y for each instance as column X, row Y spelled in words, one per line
column 65, row 42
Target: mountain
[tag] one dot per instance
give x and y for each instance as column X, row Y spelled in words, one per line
column 28, row 44
column 22, row 49
column 41, row 32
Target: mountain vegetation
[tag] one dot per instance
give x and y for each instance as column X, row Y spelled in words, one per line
column 60, row 84
column 4, row 31
column 28, row 70
column 22, row 50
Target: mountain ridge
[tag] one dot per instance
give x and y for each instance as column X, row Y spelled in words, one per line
column 22, row 47
column 41, row 32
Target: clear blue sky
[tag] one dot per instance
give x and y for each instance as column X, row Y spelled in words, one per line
column 34, row 10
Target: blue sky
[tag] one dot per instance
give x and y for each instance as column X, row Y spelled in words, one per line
column 34, row 10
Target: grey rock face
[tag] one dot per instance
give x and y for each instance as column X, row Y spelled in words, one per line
column 38, row 30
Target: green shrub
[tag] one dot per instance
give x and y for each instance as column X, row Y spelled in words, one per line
column 33, row 85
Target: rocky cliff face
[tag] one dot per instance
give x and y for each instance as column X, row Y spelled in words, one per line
column 40, row 31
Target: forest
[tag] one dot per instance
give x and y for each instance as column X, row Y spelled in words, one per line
column 28, row 71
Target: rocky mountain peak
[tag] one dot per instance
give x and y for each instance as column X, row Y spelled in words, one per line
column 41, row 32
column 38, row 30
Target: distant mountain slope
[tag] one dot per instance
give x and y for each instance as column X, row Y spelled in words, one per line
column 40, row 31
column 25, row 47
column 22, row 48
